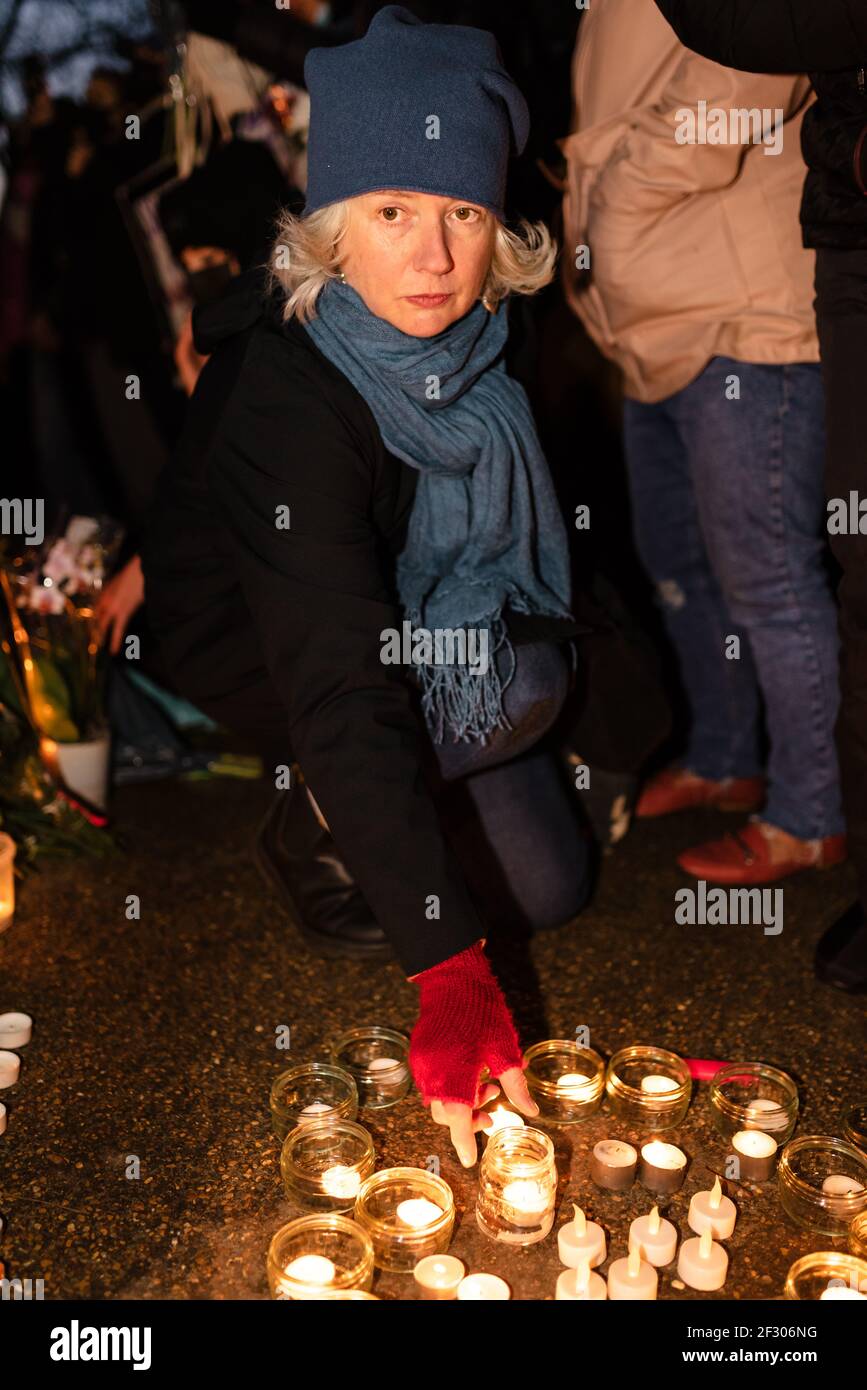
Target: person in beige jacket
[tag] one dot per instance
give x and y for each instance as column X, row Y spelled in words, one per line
column 684, row 263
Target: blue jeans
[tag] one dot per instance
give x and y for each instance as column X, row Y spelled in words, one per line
column 729, row 510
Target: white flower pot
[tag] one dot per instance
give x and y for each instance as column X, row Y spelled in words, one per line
column 85, row 768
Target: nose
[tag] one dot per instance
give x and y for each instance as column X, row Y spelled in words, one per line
column 432, row 255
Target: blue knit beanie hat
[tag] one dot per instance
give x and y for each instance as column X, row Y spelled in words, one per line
column 425, row 107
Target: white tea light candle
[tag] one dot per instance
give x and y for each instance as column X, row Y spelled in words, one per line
column 613, row 1164
column 438, row 1277
column 418, row 1212
column 503, row 1119
column 654, row 1237
column 839, row 1292
column 580, row 1286
column 581, row 1240
column 15, row 1029
column 572, row 1084
column 663, row 1166
column 316, row 1107
column 10, row 1065
column 632, row 1279
column 702, row 1264
column 841, row 1185
column 767, row 1115
column 483, row 1287
column 655, row 1085
column 341, row 1181
column 311, row 1269
column 712, row 1211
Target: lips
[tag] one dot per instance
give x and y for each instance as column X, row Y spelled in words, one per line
column 428, row 301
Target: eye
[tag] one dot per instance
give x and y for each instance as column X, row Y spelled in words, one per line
column 467, row 214
column 389, row 214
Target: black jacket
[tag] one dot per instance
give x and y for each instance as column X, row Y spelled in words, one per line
column 273, row 423
column 828, row 40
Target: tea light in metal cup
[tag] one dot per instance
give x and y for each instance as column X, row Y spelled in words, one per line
column 612, row 1164
column 477, row 1288
column 663, row 1167
column 10, row 1066
column 702, row 1264
column 15, row 1030
column 579, row 1285
column 632, row 1278
column 756, row 1153
column 841, row 1185
column 581, row 1240
column 438, row 1277
column 655, row 1238
column 418, row 1211
column 311, row 1269
column 712, row 1211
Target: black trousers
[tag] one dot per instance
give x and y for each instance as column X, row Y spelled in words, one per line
column 841, row 313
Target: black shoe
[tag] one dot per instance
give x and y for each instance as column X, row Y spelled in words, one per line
column 841, row 955
column 297, row 855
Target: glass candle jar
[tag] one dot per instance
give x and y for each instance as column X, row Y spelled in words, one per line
column 310, row 1092
column 566, row 1081
column 517, row 1187
column 648, row 1087
column 376, row 1058
column 7, row 880
column 827, row 1275
column 823, row 1183
column 858, row 1235
column 323, row 1163
column 750, row 1095
column 855, row 1125
column 318, row 1255
column 408, row 1213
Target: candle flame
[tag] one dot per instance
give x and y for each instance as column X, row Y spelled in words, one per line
column 715, row 1195
column 653, row 1221
column 705, row 1242
column 582, row 1275
column 633, row 1263
column 580, row 1220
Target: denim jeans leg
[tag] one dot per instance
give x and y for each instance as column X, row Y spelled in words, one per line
column 757, row 465
column 723, row 696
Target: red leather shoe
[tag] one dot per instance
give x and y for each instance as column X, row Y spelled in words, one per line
column 677, row 789
column 760, row 853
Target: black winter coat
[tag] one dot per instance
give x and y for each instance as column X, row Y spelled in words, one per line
column 828, row 40
column 238, row 604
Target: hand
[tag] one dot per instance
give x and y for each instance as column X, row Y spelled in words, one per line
column 464, row 1024
column 120, row 598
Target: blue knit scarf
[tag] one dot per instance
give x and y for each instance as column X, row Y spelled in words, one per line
column 485, row 532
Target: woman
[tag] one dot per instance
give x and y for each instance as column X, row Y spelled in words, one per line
column 356, row 459
column 701, row 292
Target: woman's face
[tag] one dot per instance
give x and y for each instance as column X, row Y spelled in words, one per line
column 418, row 261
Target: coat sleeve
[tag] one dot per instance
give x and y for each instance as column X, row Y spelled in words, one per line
column 319, row 598
column 773, row 35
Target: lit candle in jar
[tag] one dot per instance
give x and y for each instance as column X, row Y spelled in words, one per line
column 341, row 1181
column 478, row 1287
column 581, row 1240
column 388, row 1064
column 418, row 1212
column 841, row 1185
column 633, row 1278
column 712, row 1211
column 663, row 1166
column 702, row 1263
column 654, row 1085
column 438, row 1277
column 579, row 1285
column 311, row 1269
column 613, row 1164
column 503, row 1119
column 756, row 1153
column 572, row 1085
column 525, row 1202
column 654, row 1237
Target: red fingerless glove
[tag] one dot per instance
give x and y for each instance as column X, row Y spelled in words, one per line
column 463, row 1025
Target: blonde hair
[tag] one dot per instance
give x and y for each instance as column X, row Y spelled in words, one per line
column 306, row 255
